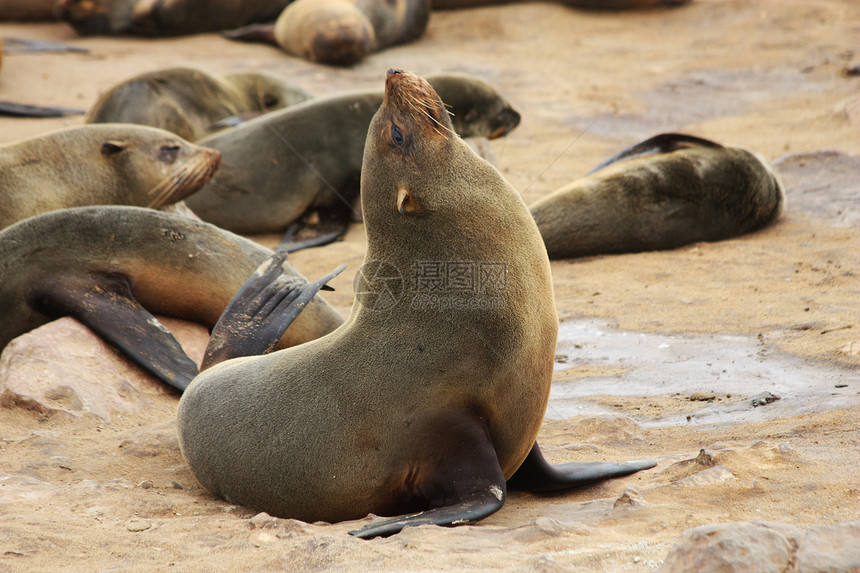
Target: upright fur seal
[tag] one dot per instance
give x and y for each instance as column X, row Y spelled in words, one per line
column 406, row 407
column 341, row 31
column 665, row 192
column 110, row 267
column 164, row 17
column 309, row 155
column 188, row 101
column 107, row 164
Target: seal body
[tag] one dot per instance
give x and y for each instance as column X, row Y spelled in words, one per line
column 407, row 401
column 114, row 265
column 309, row 155
column 344, row 31
column 188, row 102
column 108, row 164
column 164, row 17
column 697, row 191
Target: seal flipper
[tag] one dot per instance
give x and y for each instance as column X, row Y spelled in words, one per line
column 264, row 33
column 662, row 143
column 537, row 475
column 288, row 245
column 473, row 508
column 25, row 110
column 105, row 304
column 29, row 46
column 463, row 484
column 261, row 311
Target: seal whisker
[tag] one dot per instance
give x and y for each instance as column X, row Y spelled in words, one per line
column 186, row 180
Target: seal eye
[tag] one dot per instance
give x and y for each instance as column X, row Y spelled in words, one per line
column 270, row 101
column 396, row 135
column 168, row 153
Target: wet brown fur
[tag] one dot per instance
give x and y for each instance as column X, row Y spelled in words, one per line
column 662, row 201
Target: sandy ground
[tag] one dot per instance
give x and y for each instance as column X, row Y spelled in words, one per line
column 772, row 311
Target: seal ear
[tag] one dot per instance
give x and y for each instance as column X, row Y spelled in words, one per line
column 405, row 201
column 113, row 147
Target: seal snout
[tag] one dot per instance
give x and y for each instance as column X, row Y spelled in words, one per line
column 412, row 96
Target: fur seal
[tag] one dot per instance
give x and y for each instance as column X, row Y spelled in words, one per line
column 309, row 155
column 341, row 32
column 662, row 193
column 106, row 164
column 406, row 407
column 111, row 266
column 164, row 17
column 189, row 102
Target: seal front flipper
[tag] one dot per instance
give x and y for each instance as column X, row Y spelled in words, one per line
column 104, row 303
column 261, row 311
column 537, row 475
column 662, row 143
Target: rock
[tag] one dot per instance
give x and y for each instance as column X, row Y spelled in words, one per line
column 63, row 369
column 606, row 428
column 747, row 547
column 630, row 498
column 715, row 474
column 763, row 399
column 830, row 549
column 138, row 525
column 741, row 547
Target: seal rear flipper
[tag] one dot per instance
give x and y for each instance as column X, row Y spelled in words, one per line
column 30, row 46
column 261, row 311
column 24, row 110
column 662, row 143
column 264, row 33
column 537, row 475
column 476, row 507
column 460, row 480
column 317, row 235
column 105, row 304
